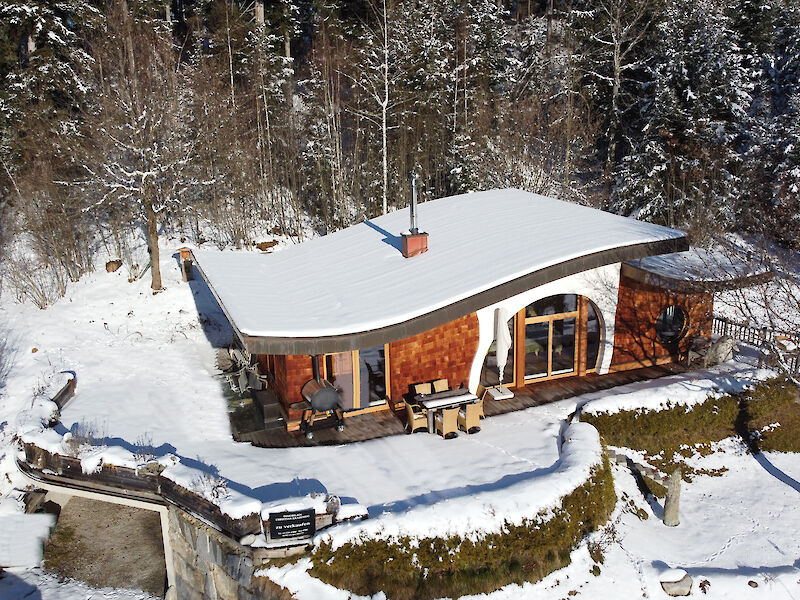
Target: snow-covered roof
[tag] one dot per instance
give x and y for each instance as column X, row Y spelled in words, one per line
column 354, row 288
column 699, row 269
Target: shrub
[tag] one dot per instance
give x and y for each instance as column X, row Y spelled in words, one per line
column 774, row 413
column 668, row 430
column 452, row 567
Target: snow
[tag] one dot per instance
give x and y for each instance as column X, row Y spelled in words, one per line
column 318, row 502
column 672, row 575
column 302, row 586
column 94, row 458
column 145, row 368
column 700, row 264
column 22, row 538
column 486, row 511
column 357, row 280
column 19, row 584
column 684, row 389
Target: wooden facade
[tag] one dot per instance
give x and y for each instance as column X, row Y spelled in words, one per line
column 447, row 351
column 444, row 352
column 636, row 343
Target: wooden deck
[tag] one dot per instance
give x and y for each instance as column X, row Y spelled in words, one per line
column 537, row 394
column 357, row 429
column 385, row 423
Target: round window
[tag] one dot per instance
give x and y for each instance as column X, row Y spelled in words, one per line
column 671, row 324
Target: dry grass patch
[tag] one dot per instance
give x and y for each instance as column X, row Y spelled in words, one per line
column 456, row 566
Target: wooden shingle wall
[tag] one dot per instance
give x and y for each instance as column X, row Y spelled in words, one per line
column 291, row 372
column 635, row 340
column 444, row 352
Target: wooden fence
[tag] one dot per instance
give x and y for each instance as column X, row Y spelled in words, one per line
column 763, row 338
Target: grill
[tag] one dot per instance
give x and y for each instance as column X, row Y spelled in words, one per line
column 322, row 399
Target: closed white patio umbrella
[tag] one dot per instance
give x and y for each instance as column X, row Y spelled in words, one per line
column 502, row 340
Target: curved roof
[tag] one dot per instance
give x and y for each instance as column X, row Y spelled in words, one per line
column 699, row 270
column 353, row 288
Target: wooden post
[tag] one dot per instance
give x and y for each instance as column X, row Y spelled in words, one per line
column 581, row 331
column 186, row 264
column 673, row 500
column 519, row 349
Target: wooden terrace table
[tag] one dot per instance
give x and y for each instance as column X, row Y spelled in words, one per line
column 442, row 400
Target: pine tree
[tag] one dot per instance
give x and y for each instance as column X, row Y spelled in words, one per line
column 684, row 169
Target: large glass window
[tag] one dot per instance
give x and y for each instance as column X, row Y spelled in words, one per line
column 372, row 368
column 593, row 335
column 550, row 328
column 552, row 305
column 537, row 339
column 563, row 345
column 339, row 371
column 360, row 376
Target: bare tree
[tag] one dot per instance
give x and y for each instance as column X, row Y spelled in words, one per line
column 141, row 150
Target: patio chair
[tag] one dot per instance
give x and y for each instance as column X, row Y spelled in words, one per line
column 440, row 385
column 468, row 418
column 421, row 388
column 416, row 418
column 446, row 423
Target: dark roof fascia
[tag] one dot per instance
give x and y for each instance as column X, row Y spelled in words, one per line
column 422, row 323
column 685, row 286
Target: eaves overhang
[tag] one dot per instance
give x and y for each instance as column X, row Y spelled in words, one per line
column 451, row 312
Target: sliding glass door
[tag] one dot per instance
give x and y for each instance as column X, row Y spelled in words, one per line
column 361, row 376
column 550, row 329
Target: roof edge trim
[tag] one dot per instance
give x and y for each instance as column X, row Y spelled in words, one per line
column 451, row 312
column 693, row 286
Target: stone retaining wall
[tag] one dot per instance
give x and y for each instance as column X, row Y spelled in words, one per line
column 210, row 566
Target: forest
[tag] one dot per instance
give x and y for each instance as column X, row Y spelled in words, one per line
column 222, row 121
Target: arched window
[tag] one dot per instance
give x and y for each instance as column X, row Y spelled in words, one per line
column 671, row 324
column 548, row 341
column 550, row 328
column 594, row 333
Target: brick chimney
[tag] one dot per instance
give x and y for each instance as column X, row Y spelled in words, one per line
column 414, row 241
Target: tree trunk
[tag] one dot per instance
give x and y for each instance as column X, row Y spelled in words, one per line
column 152, row 245
column 385, row 109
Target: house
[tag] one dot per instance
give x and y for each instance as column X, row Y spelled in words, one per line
column 571, row 282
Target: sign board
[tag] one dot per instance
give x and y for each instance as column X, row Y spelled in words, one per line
column 292, row 524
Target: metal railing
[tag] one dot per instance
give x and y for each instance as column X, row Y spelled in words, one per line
column 764, row 338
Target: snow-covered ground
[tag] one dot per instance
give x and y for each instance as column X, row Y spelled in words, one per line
column 37, row 584
column 735, row 529
column 145, row 366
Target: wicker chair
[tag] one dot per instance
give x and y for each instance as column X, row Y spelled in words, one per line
column 446, row 423
column 416, row 418
column 468, row 418
column 440, row 385
column 421, row 388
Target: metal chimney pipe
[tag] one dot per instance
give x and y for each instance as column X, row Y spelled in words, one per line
column 413, row 208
